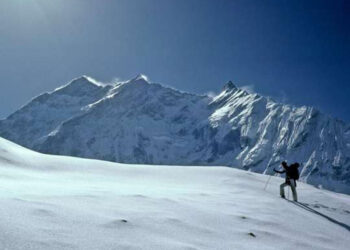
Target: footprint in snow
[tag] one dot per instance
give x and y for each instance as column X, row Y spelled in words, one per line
column 139, row 196
column 252, row 234
column 43, row 212
column 115, row 223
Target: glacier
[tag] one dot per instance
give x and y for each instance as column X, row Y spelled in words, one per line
column 140, row 122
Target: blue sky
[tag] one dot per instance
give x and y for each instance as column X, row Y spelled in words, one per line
column 294, row 51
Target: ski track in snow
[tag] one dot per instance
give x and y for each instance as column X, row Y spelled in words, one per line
column 57, row 202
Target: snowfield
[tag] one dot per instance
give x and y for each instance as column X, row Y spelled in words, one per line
column 59, row 202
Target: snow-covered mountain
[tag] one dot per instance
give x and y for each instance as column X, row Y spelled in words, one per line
column 60, row 202
column 141, row 122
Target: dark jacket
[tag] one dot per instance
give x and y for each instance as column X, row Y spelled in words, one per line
column 289, row 170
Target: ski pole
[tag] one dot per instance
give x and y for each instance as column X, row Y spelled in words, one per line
column 267, row 182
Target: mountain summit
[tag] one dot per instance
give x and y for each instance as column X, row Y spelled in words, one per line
column 229, row 85
column 140, row 77
column 148, row 123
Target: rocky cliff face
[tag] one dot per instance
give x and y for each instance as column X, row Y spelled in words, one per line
column 141, row 122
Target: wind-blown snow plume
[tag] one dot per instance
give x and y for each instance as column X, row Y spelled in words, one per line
column 249, row 88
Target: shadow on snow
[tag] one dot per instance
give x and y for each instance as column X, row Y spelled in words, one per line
column 307, row 208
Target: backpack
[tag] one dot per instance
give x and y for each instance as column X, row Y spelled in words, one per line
column 293, row 172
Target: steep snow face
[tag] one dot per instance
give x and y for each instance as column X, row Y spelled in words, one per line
column 44, row 115
column 270, row 132
column 141, row 122
column 136, row 122
column 60, row 202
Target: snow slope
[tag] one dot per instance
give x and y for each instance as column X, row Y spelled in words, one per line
column 141, row 122
column 59, row 202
